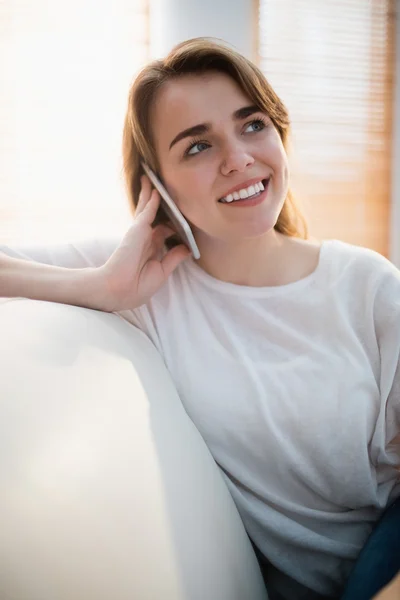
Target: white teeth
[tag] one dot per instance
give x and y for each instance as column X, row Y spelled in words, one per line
column 244, row 193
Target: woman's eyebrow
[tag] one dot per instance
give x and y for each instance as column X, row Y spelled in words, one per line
column 241, row 113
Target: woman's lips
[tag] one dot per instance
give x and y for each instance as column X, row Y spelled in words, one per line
column 253, row 201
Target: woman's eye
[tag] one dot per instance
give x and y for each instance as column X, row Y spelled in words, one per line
column 259, row 123
column 189, row 150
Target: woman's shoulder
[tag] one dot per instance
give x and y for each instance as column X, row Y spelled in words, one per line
column 337, row 260
column 363, row 268
column 353, row 254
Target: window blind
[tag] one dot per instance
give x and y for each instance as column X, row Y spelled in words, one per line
column 332, row 64
column 65, row 71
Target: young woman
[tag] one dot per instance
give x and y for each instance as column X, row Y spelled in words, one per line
column 284, row 351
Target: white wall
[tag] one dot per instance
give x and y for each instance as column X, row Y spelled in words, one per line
column 395, row 209
column 172, row 21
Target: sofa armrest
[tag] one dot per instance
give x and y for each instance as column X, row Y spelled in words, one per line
column 108, row 491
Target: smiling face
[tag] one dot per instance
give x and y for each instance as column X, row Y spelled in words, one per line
column 235, row 146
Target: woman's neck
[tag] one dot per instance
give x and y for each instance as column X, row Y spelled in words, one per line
column 270, row 260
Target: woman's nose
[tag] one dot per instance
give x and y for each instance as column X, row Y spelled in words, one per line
column 236, row 158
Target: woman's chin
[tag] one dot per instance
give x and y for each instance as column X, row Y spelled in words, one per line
column 247, row 228
column 258, row 227
column 253, row 221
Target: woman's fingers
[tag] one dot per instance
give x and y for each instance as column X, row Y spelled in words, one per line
column 173, row 258
column 149, row 210
column 160, row 234
column 145, row 196
column 146, row 211
column 163, row 231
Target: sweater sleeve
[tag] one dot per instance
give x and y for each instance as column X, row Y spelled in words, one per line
column 387, row 330
column 88, row 253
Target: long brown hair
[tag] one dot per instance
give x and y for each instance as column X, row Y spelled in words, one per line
column 198, row 55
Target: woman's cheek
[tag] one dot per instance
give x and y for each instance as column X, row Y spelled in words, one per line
column 176, row 195
column 186, row 203
column 196, row 193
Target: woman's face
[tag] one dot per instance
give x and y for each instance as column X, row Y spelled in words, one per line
column 228, row 151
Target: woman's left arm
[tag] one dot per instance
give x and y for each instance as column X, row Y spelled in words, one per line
column 387, row 329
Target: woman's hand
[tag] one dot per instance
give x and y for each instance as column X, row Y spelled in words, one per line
column 140, row 265
column 390, row 592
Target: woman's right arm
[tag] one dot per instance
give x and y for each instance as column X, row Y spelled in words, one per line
column 124, row 280
column 23, row 278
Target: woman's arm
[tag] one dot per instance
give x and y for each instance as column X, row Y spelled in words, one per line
column 65, row 273
column 73, row 255
column 123, row 276
column 22, row 278
column 386, row 315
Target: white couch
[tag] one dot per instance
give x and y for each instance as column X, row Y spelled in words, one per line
column 107, row 490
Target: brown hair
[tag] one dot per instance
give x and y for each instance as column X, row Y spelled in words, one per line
column 198, row 55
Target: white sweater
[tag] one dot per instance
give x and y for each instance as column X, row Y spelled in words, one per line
column 295, row 390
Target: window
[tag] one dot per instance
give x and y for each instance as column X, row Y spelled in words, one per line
column 332, row 64
column 66, row 67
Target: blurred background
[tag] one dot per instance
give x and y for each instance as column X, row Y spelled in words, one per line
column 65, row 71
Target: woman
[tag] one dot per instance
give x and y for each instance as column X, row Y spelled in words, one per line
column 285, row 351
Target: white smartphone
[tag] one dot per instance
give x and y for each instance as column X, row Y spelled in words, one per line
column 179, row 221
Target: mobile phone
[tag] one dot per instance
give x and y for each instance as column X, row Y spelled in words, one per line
column 179, row 221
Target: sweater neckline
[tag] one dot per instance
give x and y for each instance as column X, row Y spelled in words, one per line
column 245, row 290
